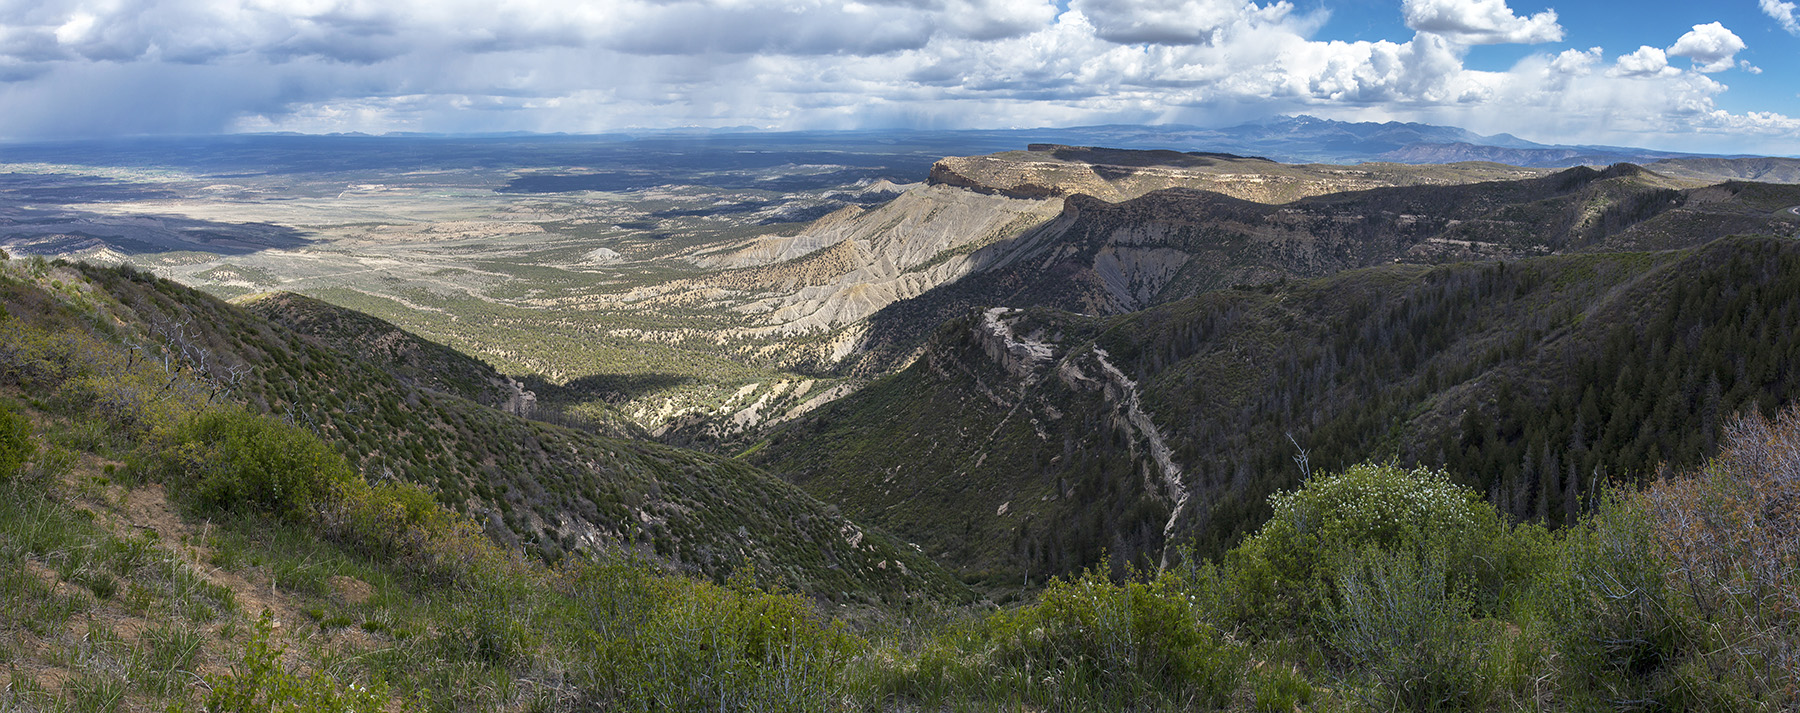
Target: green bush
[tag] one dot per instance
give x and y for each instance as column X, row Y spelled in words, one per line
column 1398, row 619
column 240, row 460
column 1288, row 570
column 1086, row 644
column 673, row 643
column 16, row 446
column 1125, row 642
column 258, row 683
column 1606, row 596
column 1279, row 689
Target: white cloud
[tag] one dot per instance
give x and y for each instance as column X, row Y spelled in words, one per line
column 1712, row 47
column 70, row 67
column 1577, row 62
column 361, row 31
column 1174, row 22
column 1481, row 22
column 1647, row 61
column 1784, row 13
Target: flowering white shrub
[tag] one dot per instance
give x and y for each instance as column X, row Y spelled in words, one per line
column 1378, row 504
column 1290, row 568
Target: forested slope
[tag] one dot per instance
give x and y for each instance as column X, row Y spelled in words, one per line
column 1037, row 441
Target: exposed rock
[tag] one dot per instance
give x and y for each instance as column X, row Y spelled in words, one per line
column 1019, row 357
column 602, row 256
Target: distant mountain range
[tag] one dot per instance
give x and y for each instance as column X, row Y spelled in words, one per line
column 902, row 155
column 1289, row 139
column 1308, row 139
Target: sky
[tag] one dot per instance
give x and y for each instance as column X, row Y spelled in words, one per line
column 1719, row 76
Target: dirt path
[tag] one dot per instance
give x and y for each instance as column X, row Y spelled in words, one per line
column 147, row 507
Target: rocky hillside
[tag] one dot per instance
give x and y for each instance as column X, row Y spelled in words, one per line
column 804, row 298
column 1111, row 258
column 416, row 361
column 1106, row 231
column 1036, row 441
column 425, row 364
column 1761, row 169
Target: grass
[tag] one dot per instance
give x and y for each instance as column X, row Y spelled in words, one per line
column 1393, row 588
column 65, row 572
column 571, row 491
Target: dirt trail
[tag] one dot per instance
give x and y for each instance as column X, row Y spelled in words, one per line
column 147, row 507
column 129, row 512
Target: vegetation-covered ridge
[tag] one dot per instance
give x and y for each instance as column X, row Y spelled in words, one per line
column 1050, row 439
column 276, row 578
column 550, row 489
column 1099, row 257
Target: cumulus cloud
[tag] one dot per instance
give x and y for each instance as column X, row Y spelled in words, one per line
column 1647, row 61
column 1174, row 22
column 67, row 67
column 1577, row 62
column 1480, row 22
column 1784, row 13
column 360, row 31
column 1712, row 47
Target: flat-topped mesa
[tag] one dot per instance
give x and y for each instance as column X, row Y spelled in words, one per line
column 1100, row 155
column 1055, row 170
column 963, row 172
column 1049, row 171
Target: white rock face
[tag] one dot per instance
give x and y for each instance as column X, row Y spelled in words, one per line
column 1123, row 393
column 1020, row 357
column 896, row 241
column 602, row 256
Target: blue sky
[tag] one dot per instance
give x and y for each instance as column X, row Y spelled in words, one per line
column 1649, row 22
column 1715, row 76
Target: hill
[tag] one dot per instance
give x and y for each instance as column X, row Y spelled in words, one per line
column 1035, row 441
column 552, row 490
column 804, row 298
column 1109, row 258
column 1761, row 169
column 182, row 526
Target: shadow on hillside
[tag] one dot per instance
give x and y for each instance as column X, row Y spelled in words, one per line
column 63, row 231
column 612, row 388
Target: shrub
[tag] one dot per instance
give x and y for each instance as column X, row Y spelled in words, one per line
column 1279, row 689
column 16, row 446
column 1124, row 642
column 1606, row 598
column 672, row 643
column 259, row 684
column 1729, row 540
column 1397, row 617
column 247, row 461
column 1286, row 571
column 1085, row 644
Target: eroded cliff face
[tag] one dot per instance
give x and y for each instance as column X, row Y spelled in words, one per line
column 1019, row 356
column 1101, row 232
column 807, row 298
